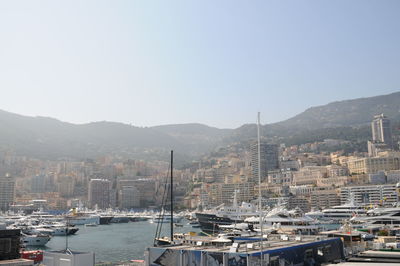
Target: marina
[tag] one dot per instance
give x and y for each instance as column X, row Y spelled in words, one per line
column 282, row 229
column 119, row 242
column 236, row 234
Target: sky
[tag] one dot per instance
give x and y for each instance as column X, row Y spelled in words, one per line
column 218, row 63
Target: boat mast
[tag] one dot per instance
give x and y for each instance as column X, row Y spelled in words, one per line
column 66, row 236
column 259, row 185
column 172, row 201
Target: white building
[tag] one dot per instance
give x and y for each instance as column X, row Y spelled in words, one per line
column 374, row 194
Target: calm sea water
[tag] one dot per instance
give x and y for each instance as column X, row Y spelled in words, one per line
column 114, row 242
column 119, row 242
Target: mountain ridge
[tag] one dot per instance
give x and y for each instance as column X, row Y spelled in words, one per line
column 46, row 137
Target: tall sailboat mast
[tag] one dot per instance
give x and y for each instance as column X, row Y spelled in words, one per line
column 172, row 197
column 259, row 182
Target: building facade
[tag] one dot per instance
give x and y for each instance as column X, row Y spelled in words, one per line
column 381, row 130
column 370, row 195
column 269, row 159
column 223, row 193
column 99, row 193
column 7, row 192
column 129, row 197
column 282, row 177
column 321, row 199
column 309, row 175
column 38, row 183
column 372, row 165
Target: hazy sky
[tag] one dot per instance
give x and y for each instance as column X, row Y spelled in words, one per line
column 214, row 62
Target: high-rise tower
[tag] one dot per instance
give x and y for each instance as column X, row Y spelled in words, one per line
column 381, row 130
column 269, row 159
column 7, row 192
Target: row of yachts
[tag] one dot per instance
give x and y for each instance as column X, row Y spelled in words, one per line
column 38, row 228
column 246, row 217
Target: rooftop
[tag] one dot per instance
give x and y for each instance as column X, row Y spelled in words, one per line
column 250, row 247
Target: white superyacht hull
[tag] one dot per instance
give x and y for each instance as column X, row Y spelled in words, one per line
column 35, row 240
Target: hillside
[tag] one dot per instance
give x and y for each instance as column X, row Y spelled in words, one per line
column 49, row 138
column 347, row 119
column 345, row 113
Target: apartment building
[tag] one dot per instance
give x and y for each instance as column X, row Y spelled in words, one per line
column 373, row 194
column 372, row 165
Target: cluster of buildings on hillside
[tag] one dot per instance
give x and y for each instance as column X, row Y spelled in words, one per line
column 30, row 184
column 302, row 179
column 305, row 180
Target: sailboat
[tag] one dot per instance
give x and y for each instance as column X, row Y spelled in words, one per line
column 163, row 241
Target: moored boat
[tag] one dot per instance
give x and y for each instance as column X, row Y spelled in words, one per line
column 105, row 219
column 82, row 220
column 91, row 225
column 225, row 215
column 35, row 255
column 34, row 240
column 120, row 219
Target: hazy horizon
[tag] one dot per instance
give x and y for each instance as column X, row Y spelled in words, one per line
column 215, row 63
column 193, row 122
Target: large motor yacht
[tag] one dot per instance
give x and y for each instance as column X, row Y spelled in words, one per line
column 34, row 240
column 225, row 215
column 279, row 218
column 340, row 212
column 81, row 217
column 384, row 216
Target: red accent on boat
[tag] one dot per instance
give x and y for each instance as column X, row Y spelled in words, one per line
column 35, row 255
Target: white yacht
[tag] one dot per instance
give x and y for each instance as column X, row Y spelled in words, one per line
column 81, row 216
column 59, row 229
column 279, row 218
column 226, row 215
column 34, row 240
column 40, row 230
column 379, row 216
column 340, row 212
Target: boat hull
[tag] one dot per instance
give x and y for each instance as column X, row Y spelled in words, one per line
column 84, row 220
column 61, row 231
column 106, row 219
column 120, row 219
column 209, row 222
column 35, row 240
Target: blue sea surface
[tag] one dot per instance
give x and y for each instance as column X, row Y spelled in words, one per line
column 119, row 242
column 114, row 242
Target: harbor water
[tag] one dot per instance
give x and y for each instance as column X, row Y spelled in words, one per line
column 114, row 242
